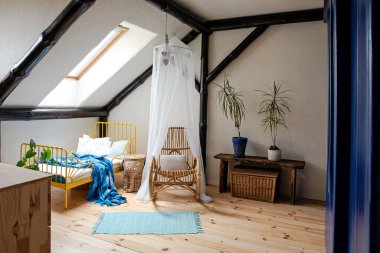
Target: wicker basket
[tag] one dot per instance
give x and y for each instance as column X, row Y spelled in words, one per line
column 254, row 184
column 133, row 166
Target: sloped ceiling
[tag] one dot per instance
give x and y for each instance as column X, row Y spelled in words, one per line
column 84, row 35
column 26, row 19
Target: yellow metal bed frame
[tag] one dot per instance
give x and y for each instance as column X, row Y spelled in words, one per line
column 68, row 176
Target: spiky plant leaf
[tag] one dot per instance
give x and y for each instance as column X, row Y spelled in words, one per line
column 273, row 109
column 231, row 103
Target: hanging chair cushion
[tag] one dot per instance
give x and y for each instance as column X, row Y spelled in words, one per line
column 173, row 162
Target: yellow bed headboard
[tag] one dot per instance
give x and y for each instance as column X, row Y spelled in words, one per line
column 117, row 131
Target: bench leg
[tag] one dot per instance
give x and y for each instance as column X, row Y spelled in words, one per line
column 223, row 175
column 293, row 187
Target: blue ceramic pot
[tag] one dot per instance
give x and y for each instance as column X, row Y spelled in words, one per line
column 239, row 146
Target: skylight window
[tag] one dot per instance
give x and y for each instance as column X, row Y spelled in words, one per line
column 99, row 66
column 97, row 53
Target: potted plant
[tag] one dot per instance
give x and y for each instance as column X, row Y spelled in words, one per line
column 273, row 109
column 30, row 160
column 232, row 106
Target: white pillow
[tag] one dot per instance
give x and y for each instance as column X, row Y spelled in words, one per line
column 117, row 148
column 173, row 162
column 96, row 147
column 85, row 136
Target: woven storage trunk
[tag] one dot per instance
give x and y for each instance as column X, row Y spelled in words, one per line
column 254, row 184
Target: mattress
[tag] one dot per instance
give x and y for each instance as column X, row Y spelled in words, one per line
column 74, row 174
column 116, row 163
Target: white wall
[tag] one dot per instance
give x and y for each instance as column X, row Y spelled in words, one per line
column 293, row 54
column 61, row 133
column 296, row 56
column 135, row 109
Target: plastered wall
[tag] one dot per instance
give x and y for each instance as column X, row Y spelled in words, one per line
column 296, row 56
column 61, row 133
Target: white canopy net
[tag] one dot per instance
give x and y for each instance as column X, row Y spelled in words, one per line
column 172, row 103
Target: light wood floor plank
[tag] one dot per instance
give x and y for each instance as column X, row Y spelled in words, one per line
column 230, row 225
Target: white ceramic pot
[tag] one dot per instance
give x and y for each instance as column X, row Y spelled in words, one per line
column 274, row 155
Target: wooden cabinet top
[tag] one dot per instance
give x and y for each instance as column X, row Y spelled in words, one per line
column 12, row 176
column 262, row 161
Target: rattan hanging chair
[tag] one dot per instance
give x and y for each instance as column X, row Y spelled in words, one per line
column 189, row 178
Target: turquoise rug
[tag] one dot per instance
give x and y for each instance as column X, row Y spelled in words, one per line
column 144, row 223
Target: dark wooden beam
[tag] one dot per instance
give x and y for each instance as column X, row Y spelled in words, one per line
column 190, row 36
column 103, row 118
column 182, row 14
column 236, row 52
column 50, row 113
column 129, row 88
column 102, row 131
column 42, row 46
column 265, row 19
column 143, row 76
column 197, row 85
column 203, row 97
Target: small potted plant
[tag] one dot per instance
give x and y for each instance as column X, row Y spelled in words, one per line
column 232, row 106
column 30, row 160
column 273, row 109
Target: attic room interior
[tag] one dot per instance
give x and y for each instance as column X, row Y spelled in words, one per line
column 189, row 126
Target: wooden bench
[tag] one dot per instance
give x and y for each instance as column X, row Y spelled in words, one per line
column 262, row 162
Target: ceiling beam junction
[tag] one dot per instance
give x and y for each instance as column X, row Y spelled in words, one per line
column 181, row 13
column 236, row 52
column 261, row 22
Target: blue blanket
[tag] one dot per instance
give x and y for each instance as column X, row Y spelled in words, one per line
column 102, row 189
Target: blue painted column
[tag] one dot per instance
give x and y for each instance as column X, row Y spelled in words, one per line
column 375, row 211
column 353, row 188
column 364, row 177
column 338, row 16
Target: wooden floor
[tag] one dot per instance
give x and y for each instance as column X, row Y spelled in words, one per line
column 230, row 225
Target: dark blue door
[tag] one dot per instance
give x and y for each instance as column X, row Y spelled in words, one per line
column 352, row 212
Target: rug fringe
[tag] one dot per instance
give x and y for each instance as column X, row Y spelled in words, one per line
column 100, row 219
column 198, row 222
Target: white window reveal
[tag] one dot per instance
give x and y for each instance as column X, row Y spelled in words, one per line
column 119, row 46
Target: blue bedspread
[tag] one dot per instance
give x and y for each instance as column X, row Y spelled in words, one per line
column 102, row 189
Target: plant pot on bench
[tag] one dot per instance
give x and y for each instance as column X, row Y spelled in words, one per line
column 240, row 143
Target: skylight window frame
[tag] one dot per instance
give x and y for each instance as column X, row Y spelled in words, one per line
column 123, row 31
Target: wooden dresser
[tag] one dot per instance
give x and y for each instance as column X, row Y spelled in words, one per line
column 24, row 210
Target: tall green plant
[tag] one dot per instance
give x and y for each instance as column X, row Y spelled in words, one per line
column 30, row 161
column 231, row 103
column 273, row 109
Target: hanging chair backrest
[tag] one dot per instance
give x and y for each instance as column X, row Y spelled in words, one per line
column 176, row 144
